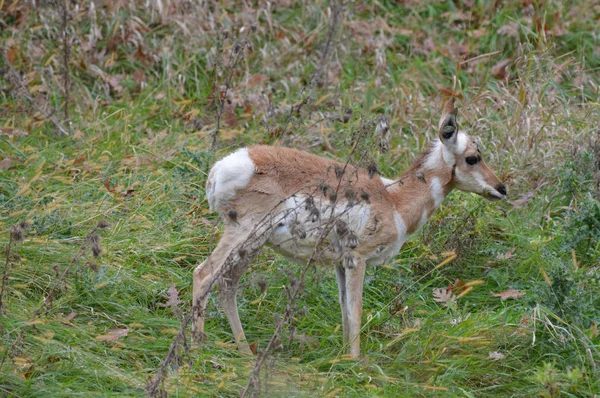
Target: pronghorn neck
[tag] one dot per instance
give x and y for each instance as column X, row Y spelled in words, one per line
column 421, row 190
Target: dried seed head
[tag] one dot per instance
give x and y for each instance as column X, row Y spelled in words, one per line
column 93, row 265
column 103, row 224
column 324, row 188
column 55, row 269
column 339, row 172
column 341, row 228
column 243, row 253
column 314, row 214
column 372, row 169
column 94, row 239
column 347, row 115
column 236, row 48
column 333, row 197
column 337, row 245
column 253, row 28
column 16, row 233
column 348, row 260
column 350, row 196
column 309, row 203
column 233, row 215
column 24, row 225
column 298, row 230
column 262, row 284
column 96, row 251
column 351, row 240
column 364, row 196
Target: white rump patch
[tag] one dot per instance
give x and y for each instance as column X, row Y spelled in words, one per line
column 229, row 174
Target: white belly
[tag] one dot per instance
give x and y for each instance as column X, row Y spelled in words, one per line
column 298, row 228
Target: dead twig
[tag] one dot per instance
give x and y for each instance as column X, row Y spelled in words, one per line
column 16, row 235
column 92, row 242
column 235, row 56
column 22, row 91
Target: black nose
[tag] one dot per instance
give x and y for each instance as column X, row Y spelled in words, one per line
column 501, row 188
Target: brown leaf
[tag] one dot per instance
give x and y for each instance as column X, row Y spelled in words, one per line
column 509, row 294
column 507, row 255
column 457, row 286
column 443, row 295
column 500, row 70
column 521, row 200
column 172, row 300
column 113, row 334
column 106, row 183
column 254, row 348
column 8, row 162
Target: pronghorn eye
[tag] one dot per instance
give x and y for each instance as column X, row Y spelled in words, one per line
column 472, row 160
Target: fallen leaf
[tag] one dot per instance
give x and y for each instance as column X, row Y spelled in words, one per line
column 172, row 297
column 500, row 70
column 495, row 355
column 507, row 255
column 113, row 334
column 8, row 162
column 254, row 348
column 457, row 286
column 173, row 301
column 521, row 200
column 106, row 183
column 509, row 294
column 443, row 295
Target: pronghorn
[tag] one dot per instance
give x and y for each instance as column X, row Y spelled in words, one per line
column 292, row 200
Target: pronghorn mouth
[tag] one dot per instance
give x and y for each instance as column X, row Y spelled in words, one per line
column 495, row 195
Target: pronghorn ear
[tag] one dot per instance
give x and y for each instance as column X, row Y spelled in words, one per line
column 448, row 128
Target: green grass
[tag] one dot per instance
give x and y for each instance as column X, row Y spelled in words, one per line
column 140, row 150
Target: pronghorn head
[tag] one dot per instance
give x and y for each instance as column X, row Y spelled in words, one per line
column 461, row 151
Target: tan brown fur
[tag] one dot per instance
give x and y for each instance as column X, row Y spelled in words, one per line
column 395, row 209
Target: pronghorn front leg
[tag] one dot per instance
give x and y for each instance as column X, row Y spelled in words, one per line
column 354, row 291
column 205, row 276
column 340, row 273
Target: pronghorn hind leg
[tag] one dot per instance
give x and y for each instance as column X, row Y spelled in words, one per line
column 226, row 264
column 199, row 301
column 340, row 273
column 354, row 295
column 228, row 286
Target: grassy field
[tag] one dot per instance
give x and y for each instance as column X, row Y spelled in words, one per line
column 104, row 225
